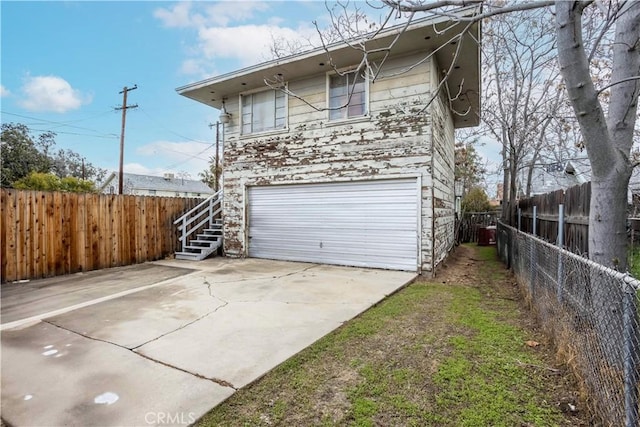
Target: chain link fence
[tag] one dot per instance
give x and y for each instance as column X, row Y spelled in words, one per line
column 592, row 313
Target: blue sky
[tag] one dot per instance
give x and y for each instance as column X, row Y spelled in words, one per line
column 64, row 64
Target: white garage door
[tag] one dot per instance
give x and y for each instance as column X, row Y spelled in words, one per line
column 364, row 223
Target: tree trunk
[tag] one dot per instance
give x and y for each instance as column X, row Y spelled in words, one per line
column 505, row 187
column 513, row 188
column 607, row 222
column 608, row 142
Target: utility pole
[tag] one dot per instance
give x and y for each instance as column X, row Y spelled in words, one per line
column 124, row 108
column 216, row 171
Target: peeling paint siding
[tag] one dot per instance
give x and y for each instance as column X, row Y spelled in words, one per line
column 443, row 180
column 392, row 141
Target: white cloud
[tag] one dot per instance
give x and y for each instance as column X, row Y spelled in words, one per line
column 248, row 44
column 179, row 16
column 189, row 156
column 51, row 93
column 223, row 13
column 183, row 15
column 222, row 32
column 4, row 91
column 192, row 66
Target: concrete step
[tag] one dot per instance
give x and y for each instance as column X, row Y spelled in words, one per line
column 192, row 256
column 197, row 248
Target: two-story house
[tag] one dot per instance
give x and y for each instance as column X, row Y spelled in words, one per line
column 327, row 165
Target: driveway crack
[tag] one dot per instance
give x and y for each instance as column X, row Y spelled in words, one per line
column 224, row 304
column 84, row 335
column 248, row 279
column 218, row 381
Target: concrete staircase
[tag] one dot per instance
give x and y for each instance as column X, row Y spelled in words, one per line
column 201, row 229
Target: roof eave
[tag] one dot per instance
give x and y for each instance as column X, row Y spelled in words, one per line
column 213, row 90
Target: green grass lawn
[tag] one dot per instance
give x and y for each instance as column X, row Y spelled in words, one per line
column 634, row 261
column 451, row 351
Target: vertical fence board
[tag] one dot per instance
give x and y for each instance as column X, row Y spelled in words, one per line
column 11, row 272
column 3, row 234
column 67, row 232
column 35, row 234
column 20, row 237
column 144, row 230
column 30, row 228
column 95, row 226
column 155, row 211
column 80, row 234
column 73, row 225
column 119, row 233
column 113, row 231
column 57, row 221
column 97, row 237
column 48, row 237
column 131, row 227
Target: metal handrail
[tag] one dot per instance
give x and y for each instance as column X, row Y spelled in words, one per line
column 205, row 208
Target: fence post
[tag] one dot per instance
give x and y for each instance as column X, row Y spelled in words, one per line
column 560, row 244
column 631, row 356
column 519, row 219
column 532, row 258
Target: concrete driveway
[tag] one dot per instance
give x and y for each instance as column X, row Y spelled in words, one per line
column 162, row 343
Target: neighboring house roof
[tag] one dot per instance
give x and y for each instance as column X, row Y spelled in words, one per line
column 556, row 176
column 167, row 183
column 428, row 34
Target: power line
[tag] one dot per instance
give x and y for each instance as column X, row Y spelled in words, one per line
column 65, row 124
column 192, row 156
column 105, row 136
column 171, row 131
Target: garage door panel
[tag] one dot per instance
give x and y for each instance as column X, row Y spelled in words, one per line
column 371, row 223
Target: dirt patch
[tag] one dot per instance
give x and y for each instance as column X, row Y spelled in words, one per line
column 459, row 349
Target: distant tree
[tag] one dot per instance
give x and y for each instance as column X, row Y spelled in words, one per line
column 69, row 163
column 211, row 176
column 469, row 167
column 50, row 182
column 23, row 154
column 476, row 200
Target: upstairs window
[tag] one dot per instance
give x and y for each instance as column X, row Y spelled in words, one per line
column 341, row 86
column 263, row 111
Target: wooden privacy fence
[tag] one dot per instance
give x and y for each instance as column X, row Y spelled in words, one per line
column 576, row 216
column 44, row 234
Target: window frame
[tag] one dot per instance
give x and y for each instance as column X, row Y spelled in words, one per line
column 343, row 72
column 244, row 94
